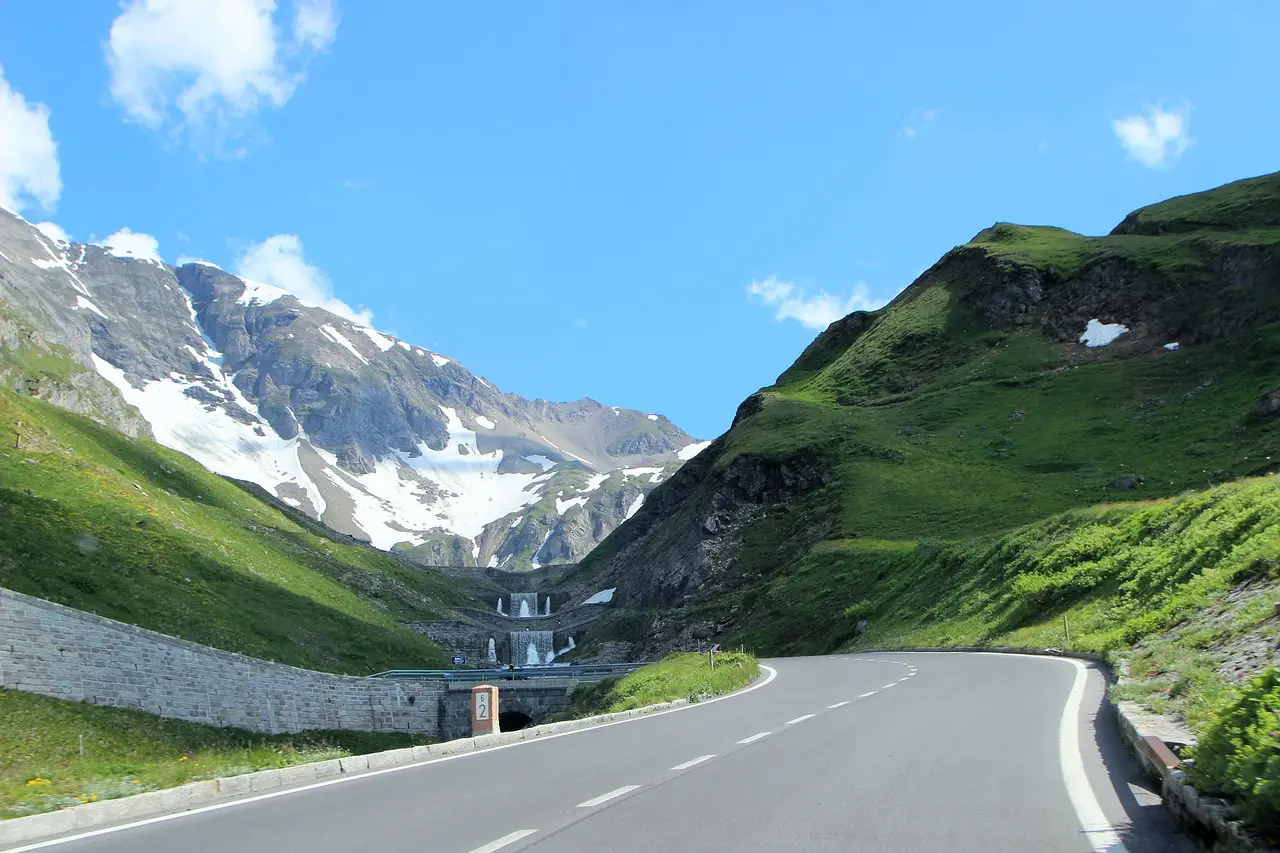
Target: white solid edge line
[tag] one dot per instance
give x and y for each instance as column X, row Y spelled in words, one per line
column 798, row 720
column 755, row 737
column 604, row 798
column 1101, row 834
column 94, row 833
column 868, row 693
column 839, row 704
column 693, row 762
column 504, row 841
column 1097, row 828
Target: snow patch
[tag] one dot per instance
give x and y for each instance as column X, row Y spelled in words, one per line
column 485, row 422
column 257, row 293
column 1099, row 334
column 640, row 472
column 594, row 482
column 334, row 335
column 547, row 464
column 212, row 437
column 516, row 523
column 635, row 505
column 380, row 340
column 652, row 417
column 563, row 506
column 604, row 596
column 1171, row 346
column 493, row 561
column 691, row 450
column 404, row 346
column 534, row 561
column 439, row 360
column 81, row 302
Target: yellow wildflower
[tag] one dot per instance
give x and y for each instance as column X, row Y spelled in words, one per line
column 39, row 780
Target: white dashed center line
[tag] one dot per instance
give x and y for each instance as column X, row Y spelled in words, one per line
column 755, row 737
column 504, row 841
column 604, row 798
column 868, row 693
column 887, row 686
column 838, row 705
column 798, row 720
column 698, row 760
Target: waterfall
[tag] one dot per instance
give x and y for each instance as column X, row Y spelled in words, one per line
column 500, row 606
column 531, row 648
column 546, row 606
column 493, row 651
column 524, row 604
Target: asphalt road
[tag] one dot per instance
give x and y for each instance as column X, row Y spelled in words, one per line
column 970, row 753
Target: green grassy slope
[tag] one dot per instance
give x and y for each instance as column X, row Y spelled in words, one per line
column 973, row 455
column 136, row 532
column 128, row 752
column 965, row 408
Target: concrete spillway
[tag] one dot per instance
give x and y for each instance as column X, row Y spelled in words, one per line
column 532, row 648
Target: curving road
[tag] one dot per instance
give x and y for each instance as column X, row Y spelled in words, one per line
column 971, row 753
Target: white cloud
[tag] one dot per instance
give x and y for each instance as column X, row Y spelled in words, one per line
column 315, row 23
column 1155, row 139
column 216, row 62
column 279, row 261
column 790, row 301
column 53, row 231
column 183, row 260
column 918, row 122
column 133, row 244
column 28, row 155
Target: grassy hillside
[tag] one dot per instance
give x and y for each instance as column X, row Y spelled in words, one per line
column 960, row 468
column 135, row 532
column 968, row 406
column 128, row 752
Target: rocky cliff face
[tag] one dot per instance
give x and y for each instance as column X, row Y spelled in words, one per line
column 381, row 439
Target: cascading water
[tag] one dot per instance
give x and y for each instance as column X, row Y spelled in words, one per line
column 500, row 610
column 546, row 606
column 493, row 650
column 531, row 648
column 524, row 604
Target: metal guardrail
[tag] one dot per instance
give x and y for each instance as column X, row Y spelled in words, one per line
column 579, row 671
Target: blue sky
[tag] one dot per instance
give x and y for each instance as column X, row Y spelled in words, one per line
column 576, row 199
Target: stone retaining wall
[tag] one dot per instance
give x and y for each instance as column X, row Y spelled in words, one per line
column 69, row 654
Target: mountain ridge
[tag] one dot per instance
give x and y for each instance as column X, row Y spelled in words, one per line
column 384, row 440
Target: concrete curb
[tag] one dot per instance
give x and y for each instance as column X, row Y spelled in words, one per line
column 1206, row 820
column 192, row 795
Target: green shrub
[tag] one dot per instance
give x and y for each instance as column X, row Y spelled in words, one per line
column 1239, row 754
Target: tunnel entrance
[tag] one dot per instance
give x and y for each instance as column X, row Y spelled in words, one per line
column 510, row 721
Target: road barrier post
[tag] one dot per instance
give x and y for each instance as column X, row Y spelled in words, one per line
column 484, row 710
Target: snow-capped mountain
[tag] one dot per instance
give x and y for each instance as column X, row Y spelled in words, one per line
column 377, row 437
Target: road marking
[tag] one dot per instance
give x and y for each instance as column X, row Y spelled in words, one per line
column 838, row 705
column 755, row 737
column 868, row 693
column 1101, row 834
column 1097, row 828
column 504, row 841
column 798, row 720
column 271, row 795
column 604, row 798
column 887, row 686
column 698, row 760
